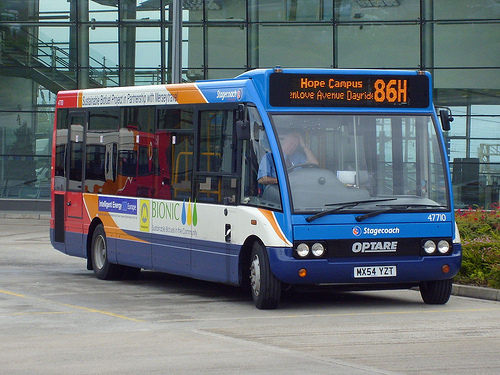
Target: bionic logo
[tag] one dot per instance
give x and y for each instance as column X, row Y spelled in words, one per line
column 191, row 215
column 185, row 212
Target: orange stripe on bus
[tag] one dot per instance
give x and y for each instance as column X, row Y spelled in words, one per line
column 80, row 99
column 272, row 220
column 186, row 93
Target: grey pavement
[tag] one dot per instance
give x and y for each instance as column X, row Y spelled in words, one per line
column 57, row 318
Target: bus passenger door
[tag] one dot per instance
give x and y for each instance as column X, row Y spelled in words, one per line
column 172, row 212
column 213, row 250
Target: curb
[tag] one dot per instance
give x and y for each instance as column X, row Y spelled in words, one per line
column 476, row 292
column 25, row 215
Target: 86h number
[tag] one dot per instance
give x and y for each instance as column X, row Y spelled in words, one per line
column 394, row 91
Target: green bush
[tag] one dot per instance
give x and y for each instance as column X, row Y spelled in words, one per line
column 480, row 233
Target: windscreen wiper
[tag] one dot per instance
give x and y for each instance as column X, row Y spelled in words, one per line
column 343, row 205
column 394, row 208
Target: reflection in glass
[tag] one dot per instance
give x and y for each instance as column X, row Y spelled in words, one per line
column 401, row 47
column 361, row 158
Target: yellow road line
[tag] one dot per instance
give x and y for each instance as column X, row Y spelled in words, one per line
column 12, row 294
column 99, row 312
column 103, row 312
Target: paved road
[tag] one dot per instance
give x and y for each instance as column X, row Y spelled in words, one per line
column 55, row 317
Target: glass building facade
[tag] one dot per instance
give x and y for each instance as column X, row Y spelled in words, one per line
column 52, row 45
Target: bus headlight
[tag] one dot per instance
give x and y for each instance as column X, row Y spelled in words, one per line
column 318, row 249
column 443, row 246
column 302, row 250
column 429, row 247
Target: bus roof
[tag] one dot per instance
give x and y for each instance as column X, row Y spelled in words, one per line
column 343, row 88
column 277, row 88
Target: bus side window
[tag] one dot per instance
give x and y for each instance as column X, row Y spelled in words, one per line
column 255, row 152
column 216, row 157
column 60, row 157
column 174, row 153
column 101, row 151
column 76, row 152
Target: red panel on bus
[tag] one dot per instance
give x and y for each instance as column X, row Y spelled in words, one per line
column 68, row 99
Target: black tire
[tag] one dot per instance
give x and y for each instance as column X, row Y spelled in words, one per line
column 99, row 255
column 265, row 287
column 436, row 292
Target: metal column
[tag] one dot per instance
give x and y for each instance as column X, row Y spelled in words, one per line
column 176, row 41
column 427, row 35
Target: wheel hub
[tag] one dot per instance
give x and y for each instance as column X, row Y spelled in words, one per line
column 100, row 252
column 255, row 275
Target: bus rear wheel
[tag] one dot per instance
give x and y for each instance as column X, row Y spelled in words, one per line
column 99, row 255
column 436, row 292
column 266, row 288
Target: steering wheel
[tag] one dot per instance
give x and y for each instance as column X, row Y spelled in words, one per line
column 303, row 165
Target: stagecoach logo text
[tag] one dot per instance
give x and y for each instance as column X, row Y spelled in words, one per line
column 229, row 95
column 357, row 231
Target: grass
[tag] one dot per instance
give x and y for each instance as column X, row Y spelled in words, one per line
column 480, row 233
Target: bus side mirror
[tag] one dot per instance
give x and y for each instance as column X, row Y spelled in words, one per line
column 243, row 130
column 446, row 117
column 242, row 125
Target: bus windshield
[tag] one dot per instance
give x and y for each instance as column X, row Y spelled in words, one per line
column 337, row 161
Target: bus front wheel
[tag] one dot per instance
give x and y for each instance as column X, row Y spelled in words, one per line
column 266, row 288
column 99, row 254
column 436, row 292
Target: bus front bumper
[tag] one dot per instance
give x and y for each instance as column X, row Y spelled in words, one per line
column 373, row 270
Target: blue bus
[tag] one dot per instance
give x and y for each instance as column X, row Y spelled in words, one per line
column 278, row 177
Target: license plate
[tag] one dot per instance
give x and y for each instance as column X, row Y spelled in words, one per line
column 375, row 271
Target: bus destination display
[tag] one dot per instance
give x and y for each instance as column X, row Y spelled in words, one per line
column 340, row 90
